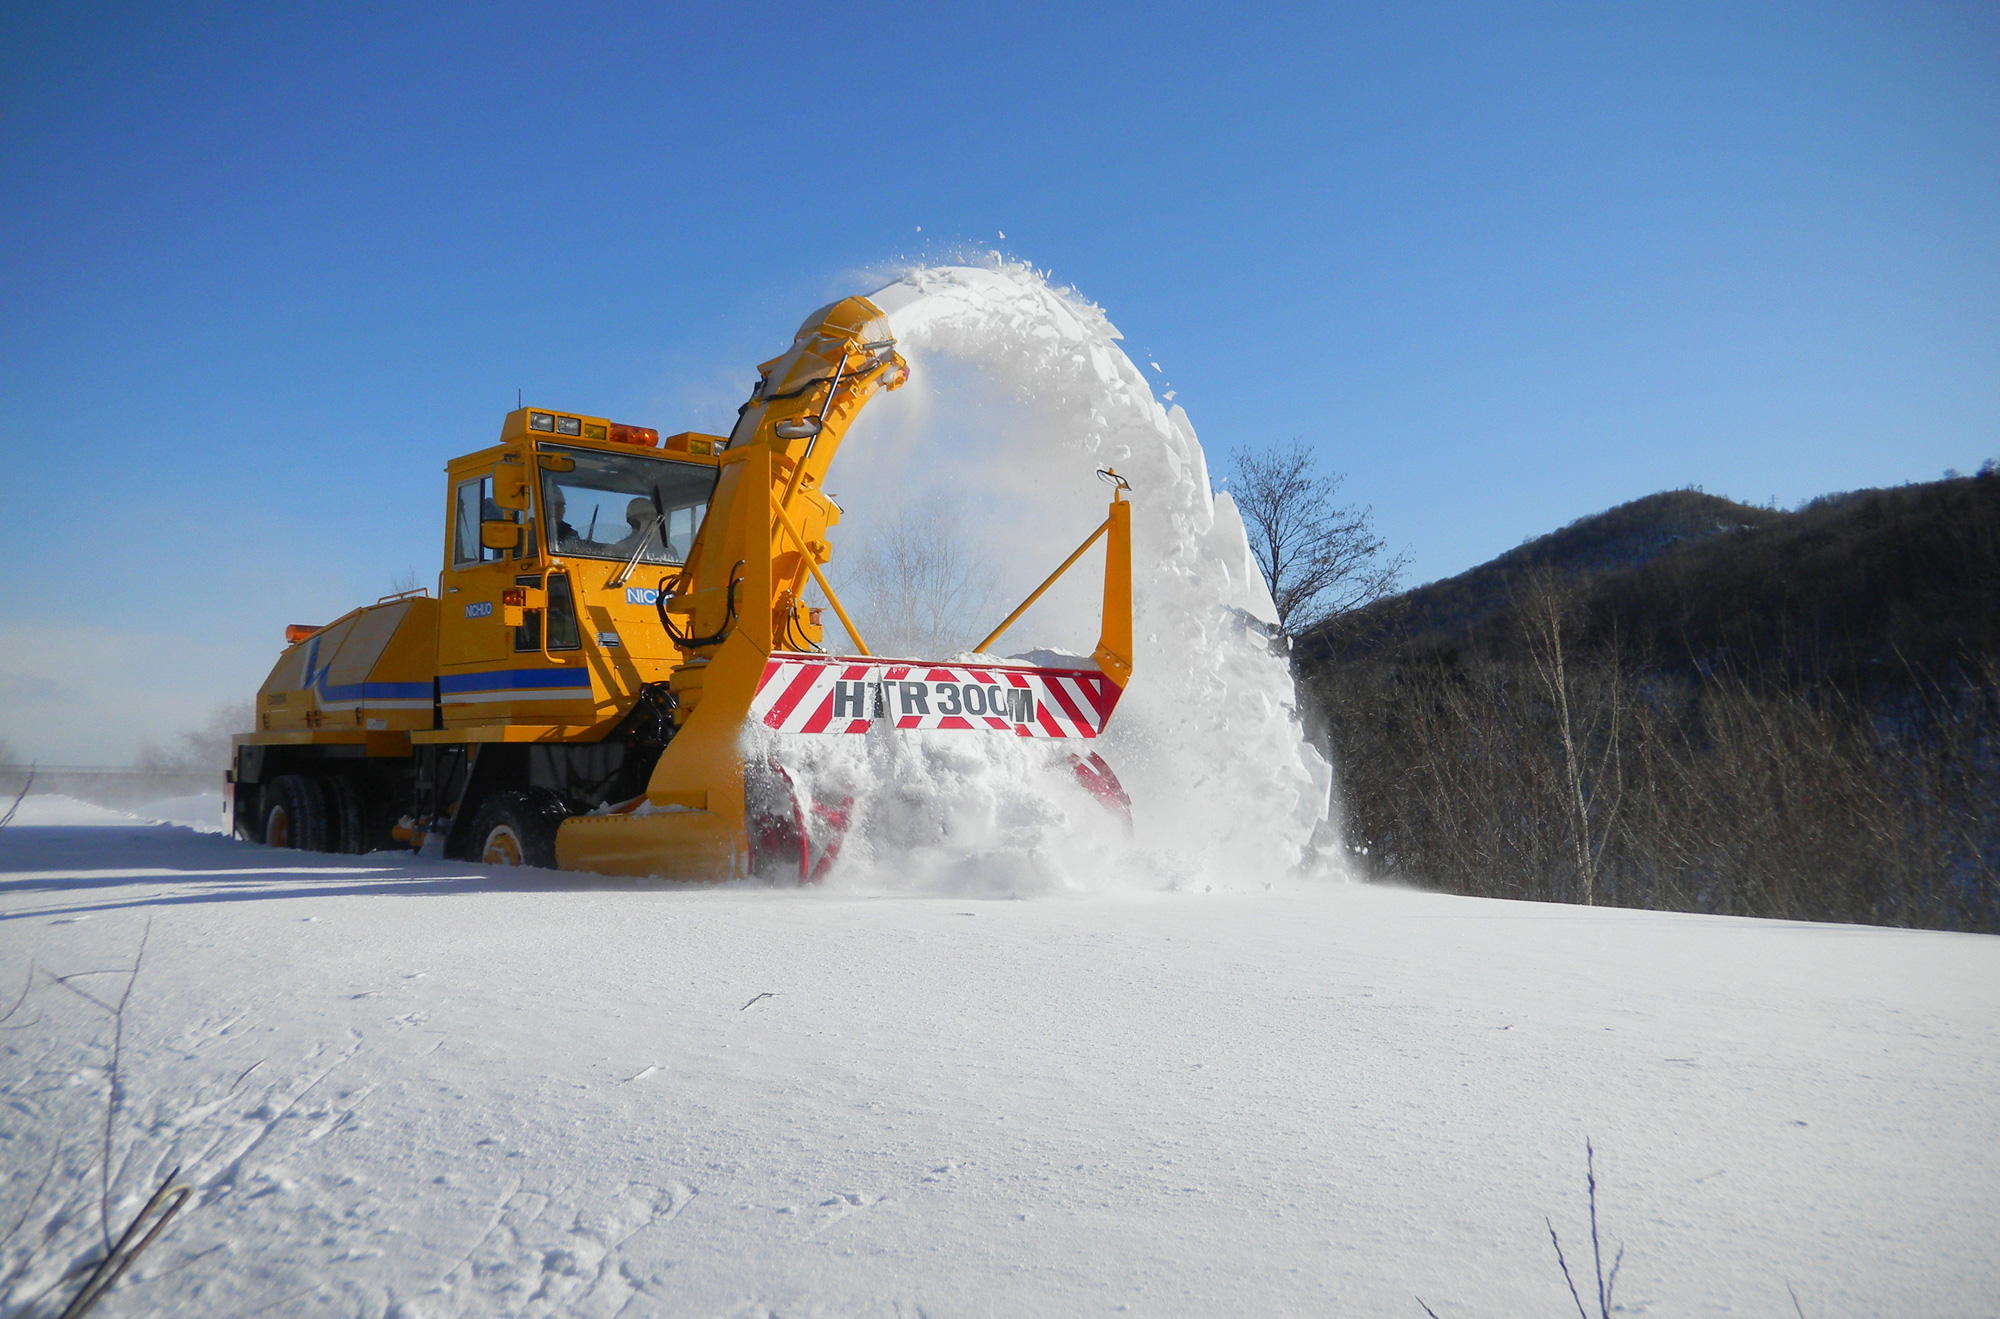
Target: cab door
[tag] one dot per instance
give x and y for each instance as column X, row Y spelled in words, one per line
column 475, row 574
column 495, row 666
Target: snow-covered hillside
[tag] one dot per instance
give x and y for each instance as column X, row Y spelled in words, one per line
column 434, row 1090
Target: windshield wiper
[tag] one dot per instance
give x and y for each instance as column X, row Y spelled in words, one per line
column 637, row 551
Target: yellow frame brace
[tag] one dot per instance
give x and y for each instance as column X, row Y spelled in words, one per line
column 813, row 564
column 1023, row 608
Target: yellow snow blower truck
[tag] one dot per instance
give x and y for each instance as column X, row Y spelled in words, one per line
column 622, row 644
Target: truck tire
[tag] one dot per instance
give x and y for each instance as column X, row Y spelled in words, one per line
column 294, row 813
column 518, row 828
column 346, row 827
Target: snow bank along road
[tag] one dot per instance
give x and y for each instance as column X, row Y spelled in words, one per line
column 431, row 1090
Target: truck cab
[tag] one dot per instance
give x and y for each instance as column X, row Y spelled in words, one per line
column 558, row 541
column 538, row 672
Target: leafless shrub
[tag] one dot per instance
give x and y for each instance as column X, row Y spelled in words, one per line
column 1606, row 1284
column 65, row 1183
column 20, row 796
column 1549, row 776
column 71, row 1228
column 204, row 748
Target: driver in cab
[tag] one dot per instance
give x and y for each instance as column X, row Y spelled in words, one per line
column 641, row 518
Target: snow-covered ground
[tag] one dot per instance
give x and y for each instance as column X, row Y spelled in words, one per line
column 201, row 812
column 433, row 1089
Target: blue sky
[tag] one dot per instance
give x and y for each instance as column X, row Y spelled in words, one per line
column 1504, row 266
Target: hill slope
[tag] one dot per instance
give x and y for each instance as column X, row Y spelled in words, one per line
column 1874, row 589
column 1690, row 704
column 1456, row 609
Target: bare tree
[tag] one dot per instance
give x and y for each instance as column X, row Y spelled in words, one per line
column 206, row 747
column 916, row 587
column 1319, row 558
column 1592, row 768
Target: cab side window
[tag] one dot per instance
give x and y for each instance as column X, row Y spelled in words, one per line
column 562, row 616
column 472, row 498
column 473, row 505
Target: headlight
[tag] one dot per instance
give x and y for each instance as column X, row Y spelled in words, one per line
column 569, row 426
column 541, row 421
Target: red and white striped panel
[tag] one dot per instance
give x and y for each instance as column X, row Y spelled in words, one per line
column 819, row 694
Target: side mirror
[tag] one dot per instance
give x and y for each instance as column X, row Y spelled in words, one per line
column 556, row 462
column 500, row 535
column 510, row 486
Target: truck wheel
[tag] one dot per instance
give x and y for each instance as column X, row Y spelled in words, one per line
column 518, row 828
column 344, row 827
column 294, row 814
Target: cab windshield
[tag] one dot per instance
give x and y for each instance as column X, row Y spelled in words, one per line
column 611, row 504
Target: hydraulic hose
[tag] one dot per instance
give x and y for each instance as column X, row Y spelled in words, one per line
column 696, row 643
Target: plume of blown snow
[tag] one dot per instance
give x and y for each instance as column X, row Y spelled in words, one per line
column 1019, row 393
